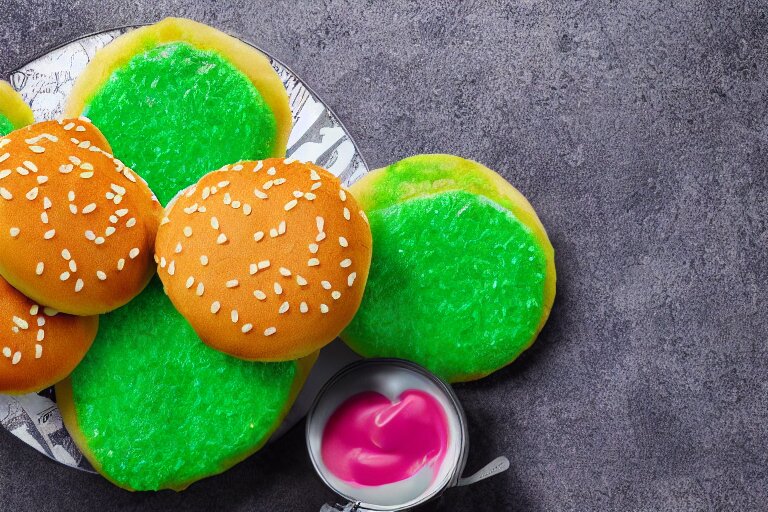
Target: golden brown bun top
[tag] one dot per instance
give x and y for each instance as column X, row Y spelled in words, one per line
column 267, row 260
column 38, row 345
column 77, row 227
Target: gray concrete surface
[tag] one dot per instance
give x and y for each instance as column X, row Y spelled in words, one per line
column 639, row 130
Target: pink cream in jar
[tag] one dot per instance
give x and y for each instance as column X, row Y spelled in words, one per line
column 370, row 440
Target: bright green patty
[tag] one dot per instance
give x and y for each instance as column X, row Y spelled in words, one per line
column 174, row 113
column 456, row 285
column 6, row 126
column 159, row 408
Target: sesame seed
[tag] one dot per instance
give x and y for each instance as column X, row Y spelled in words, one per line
column 309, row 196
column 177, row 250
column 131, row 222
column 300, row 280
column 49, row 234
column 347, row 216
column 221, row 239
column 320, row 237
column 285, row 272
column 269, row 331
column 246, row 328
column 86, row 175
column 271, row 171
column 298, row 194
column 20, row 322
column 258, row 235
column 47, row 203
column 336, row 294
column 88, row 208
column 278, row 288
column 234, row 316
column 110, row 230
column 259, row 294
column 223, row 184
column 38, row 351
column 118, row 189
column 238, row 167
column 273, row 233
column 247, row 209
column 122, row 212
column 40, row 267
column 37, row 149
column 4, row 174
column 187, row 231
column 66, row 254
column 40, row 335
column 99, row 240
column 42, row 179
column 313, row 262
column 343, row 242
column 22, row 171
column 227, row 198
column 258, row 193
column 313, row 248
column 17, row 355
column 259, row 165
column 236, row 204
column 253, row 268
column 203, row 260
column 280, row 181
column 323, row 308
column 73, row 208
column 283, row 307
column 320, row 223
column 351, row 278
column 44, row 218
column 7, row 351
column 345, row 263
column 162, row 262
column 303, row 307
column 290, row 204
column 14, row 232
column 64, row 276
column 71, row 195
column 364, row 216
column 190, row 282
column 32, row 194
column 171, row 268
column 342, row 194
column 215, row 306
column 200, row 289
column 233, row 283
column 5, row 194
column 281, row 227
column 90, row 235
column 313, row 175
column 316, row 186
column 214, row 223
column 325, row 284
column 263, row 264
column 5, row 156
column 34, row 309
column 267, row 184
column 72, row 266
column 78, row 285
column 48, row 312
column 133, row 253
column 101, row 275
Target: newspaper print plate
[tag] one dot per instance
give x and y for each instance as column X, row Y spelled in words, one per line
column 317, row 136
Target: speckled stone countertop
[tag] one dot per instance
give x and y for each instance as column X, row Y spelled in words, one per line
column 639, row 131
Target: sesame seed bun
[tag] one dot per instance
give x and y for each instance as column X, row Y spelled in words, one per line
column 38, row 346
column 266, row 260
column 77, row 227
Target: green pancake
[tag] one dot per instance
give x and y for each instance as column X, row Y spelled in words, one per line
column 152, row 407
column 179, row 99
column 6, row 126
column 168, row 115
column 462, row 274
